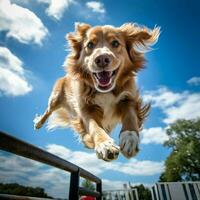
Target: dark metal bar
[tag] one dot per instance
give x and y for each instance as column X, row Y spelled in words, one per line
column 99, row 189
column 19, row 147
column 74, row 186
column 85, row 191
column 18, row 197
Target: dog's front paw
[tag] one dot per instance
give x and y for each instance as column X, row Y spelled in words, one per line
column 129, row 141
column 107, row 150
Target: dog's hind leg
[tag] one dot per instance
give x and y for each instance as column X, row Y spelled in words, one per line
column 55, row 101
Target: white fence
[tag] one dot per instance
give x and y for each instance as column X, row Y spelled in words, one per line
column 125, row 194
column 176, row 191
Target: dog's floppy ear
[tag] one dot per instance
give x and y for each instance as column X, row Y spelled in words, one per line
column 138, row 39
column 75, row 39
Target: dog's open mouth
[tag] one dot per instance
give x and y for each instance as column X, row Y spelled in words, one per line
column 105, row 79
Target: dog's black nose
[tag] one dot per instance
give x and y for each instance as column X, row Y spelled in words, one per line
column 102, row 60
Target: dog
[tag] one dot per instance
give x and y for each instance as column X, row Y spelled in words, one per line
column 99, row 88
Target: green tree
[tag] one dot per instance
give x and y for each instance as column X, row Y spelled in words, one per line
column 16, row 189
column 183, row 163
column 88, row 184
column 143, row 192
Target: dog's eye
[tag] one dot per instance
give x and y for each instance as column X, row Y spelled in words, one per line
column 115, row 43
column 90, row 45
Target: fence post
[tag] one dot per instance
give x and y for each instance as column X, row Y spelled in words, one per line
column 74, row 186
column 99, row 189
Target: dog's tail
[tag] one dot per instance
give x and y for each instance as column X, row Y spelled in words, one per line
column 58, row 119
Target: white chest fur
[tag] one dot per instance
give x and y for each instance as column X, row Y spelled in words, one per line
column 107, row 102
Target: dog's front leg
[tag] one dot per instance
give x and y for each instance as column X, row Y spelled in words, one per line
column 105, row 147
column 129, row 135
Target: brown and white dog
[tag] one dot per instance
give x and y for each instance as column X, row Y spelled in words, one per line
column 99, row 89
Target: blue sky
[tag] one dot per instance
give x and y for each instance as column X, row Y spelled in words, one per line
column 33, row 49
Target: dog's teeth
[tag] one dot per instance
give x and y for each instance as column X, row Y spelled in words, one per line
column 110, row 73
column 110, row 81
column 98, row 76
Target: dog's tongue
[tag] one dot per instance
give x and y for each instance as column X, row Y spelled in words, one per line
column 104, row 78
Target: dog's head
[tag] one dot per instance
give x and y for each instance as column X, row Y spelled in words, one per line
column 106, row 57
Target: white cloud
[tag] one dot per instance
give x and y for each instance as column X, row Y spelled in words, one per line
column 55, row 181
column 89, row 161
column 10, row 61
column 155, row 135
column 119, row 185
column 174, row 105
column 56, row 8
column 85, row 160
column 194, row 81
column 163, row 97
column 188, row 108
column 21, row 23
column 112, row 185
column 21, row 164
column 96, row 6
column 141, row 168
column 12, row 74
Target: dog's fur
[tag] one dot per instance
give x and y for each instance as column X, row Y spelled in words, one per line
column 80, row 101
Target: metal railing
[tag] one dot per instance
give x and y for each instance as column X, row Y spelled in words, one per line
column 13, row 145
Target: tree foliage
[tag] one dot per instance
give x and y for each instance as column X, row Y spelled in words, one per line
column 88, row 184
column 143, row 192
column 183, row 163
column 16, row 189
